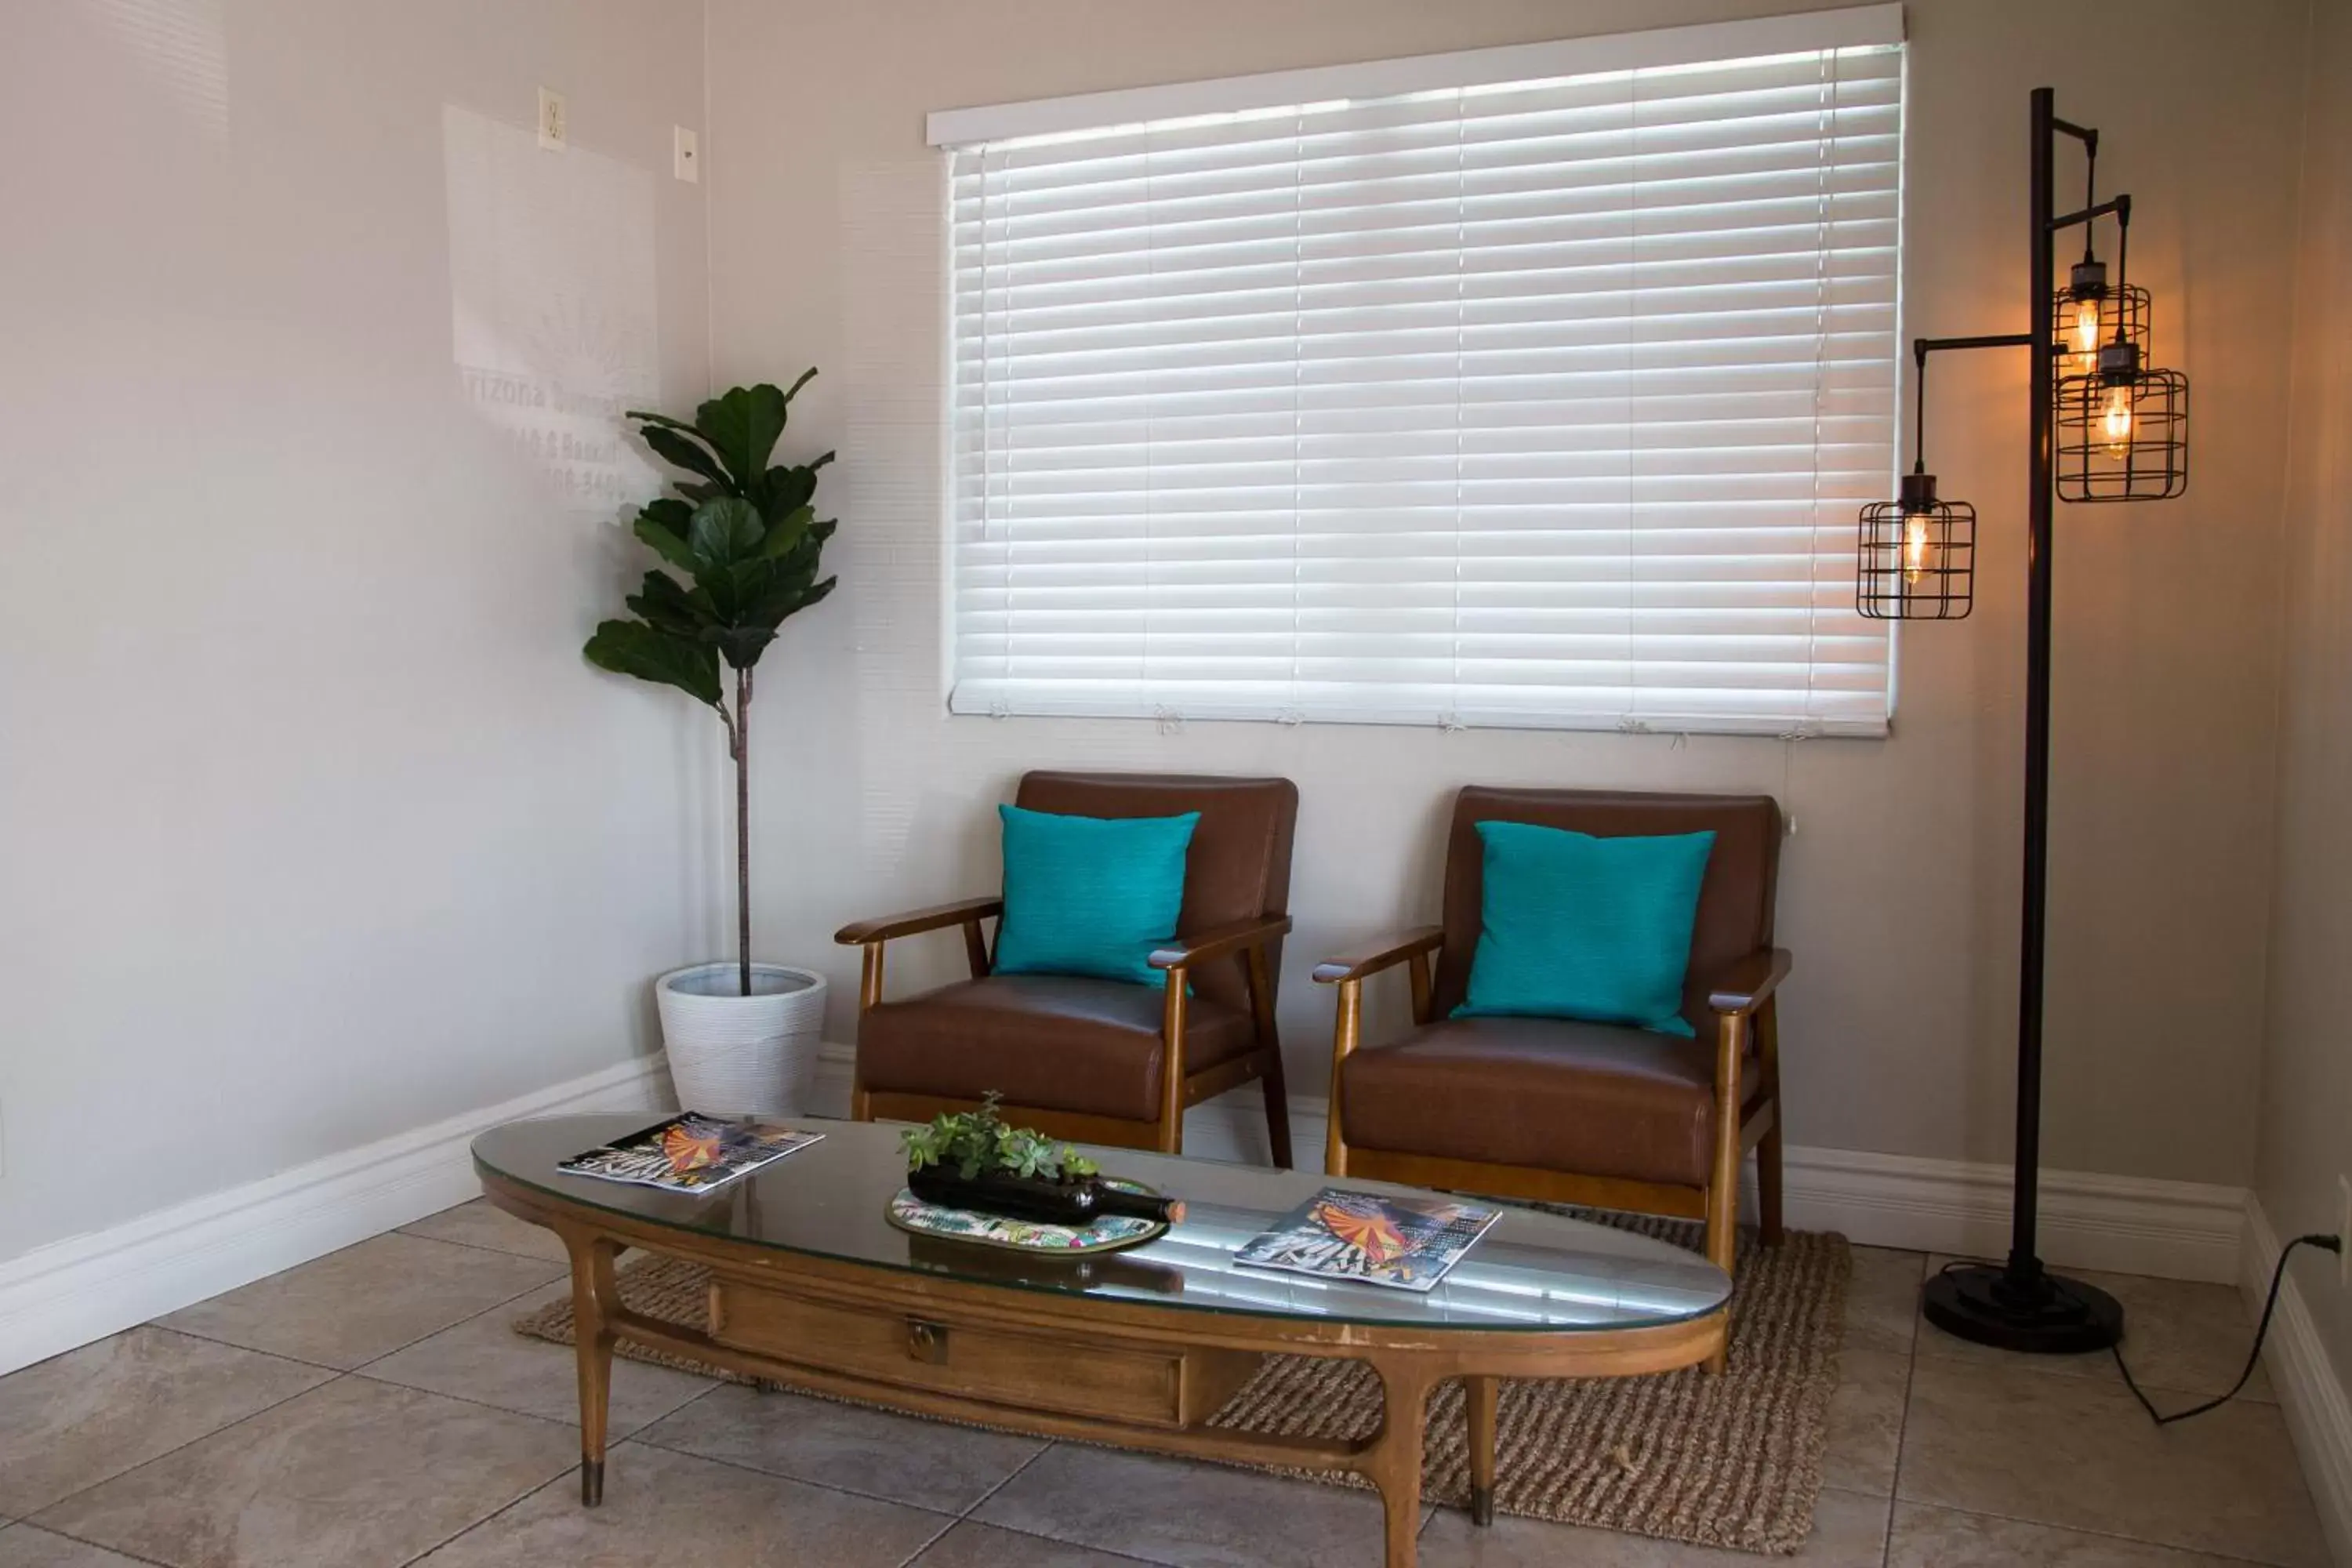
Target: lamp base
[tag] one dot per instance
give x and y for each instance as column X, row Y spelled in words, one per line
column 2022, row 1308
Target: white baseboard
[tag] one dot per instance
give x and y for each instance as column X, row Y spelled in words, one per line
column 2128, row 1224
column 2318, row 1413
column 71, row 1292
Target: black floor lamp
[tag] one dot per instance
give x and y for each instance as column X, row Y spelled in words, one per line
column 2105, row 428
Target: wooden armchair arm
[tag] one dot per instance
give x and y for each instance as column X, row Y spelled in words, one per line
column 1741, row 986
column 964, row 912
column 1219, row 941
column 1389, row 951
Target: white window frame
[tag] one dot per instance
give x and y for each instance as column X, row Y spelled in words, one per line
column 1096, row 115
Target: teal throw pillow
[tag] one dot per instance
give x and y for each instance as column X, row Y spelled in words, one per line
column 1577, row 927
column 1090, row 895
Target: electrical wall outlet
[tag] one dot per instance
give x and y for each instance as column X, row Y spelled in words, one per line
column 553, row 124
column 684, row 156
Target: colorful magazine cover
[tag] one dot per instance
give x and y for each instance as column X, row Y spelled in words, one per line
column 1407, row 1244
column 689, row 1153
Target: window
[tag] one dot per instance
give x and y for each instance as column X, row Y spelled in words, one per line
column 1534, row 386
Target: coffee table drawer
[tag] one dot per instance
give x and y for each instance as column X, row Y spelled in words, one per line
column 1173, row 1387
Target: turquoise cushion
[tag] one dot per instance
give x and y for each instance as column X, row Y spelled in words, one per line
column 1090, row 895
column 1577, row 927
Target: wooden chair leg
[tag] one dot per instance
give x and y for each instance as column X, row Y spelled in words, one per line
column 1767, row 1148
column 1347, row 1029
column 1723, row 1182
column 1278, row 1109
column 1277, row 1098
column 1170, row 1129
column 869, row 994
column 1723, row 1244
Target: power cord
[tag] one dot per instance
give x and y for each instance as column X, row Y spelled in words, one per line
column 2253, row 1357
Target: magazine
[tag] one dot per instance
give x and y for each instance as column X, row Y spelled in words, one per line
column 689, row 1153
column 1405, row 1243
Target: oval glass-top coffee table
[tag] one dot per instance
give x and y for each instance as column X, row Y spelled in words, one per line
column 812, row 1286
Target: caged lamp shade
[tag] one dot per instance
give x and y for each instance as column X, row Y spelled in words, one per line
column 2122, row 431
column 2091, row 312
column 1916, row 556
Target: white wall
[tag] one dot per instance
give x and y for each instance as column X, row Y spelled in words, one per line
column 314, row 827
column 1899, row 893
column 2306, row 1103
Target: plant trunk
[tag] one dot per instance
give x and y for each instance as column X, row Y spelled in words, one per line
column 742, row 738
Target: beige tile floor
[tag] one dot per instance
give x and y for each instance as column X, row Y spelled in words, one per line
column 373, row 1408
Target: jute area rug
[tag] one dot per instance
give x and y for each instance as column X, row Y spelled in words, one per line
column 1732, row 1461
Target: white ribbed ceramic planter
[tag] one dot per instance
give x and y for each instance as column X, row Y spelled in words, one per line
column 735, row 1056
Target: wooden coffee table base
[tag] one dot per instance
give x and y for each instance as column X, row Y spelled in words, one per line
column 1120, row 1371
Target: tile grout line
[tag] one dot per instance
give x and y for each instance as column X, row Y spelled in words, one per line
column 179, row 1447
column 569, row 1426
column 1045, row 1448
column 2094, row 1380
column 527, row 1493
column 1057, row 1541
column 329, row 1367
column 790, row 1481
column 1903, row 1427
column 94, row 1545
column 1919, row 1331
column 937, row 1536
column 2172, row 1546
column 472, row 1247
column 163, row 1328
column 497, row 1306
column 335, row 1374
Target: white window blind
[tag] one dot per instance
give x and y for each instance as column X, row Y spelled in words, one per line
column 1541, row 402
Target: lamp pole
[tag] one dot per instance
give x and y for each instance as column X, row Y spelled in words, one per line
column 2020, row 1305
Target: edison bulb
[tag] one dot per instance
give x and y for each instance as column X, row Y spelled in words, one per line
column 2116, row 424
column 1914, row 546
column 2086, row 327
column 2080, row 344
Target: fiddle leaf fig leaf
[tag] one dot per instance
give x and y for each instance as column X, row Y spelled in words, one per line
column 724, row 531
column 789, row 489
column 667, row 606
column 681, row 452
column 666, row 541
column 785, row 534
column 741, row 536
column 741, row 425
column 632, row 648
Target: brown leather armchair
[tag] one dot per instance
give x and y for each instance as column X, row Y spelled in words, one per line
column 1103, row 1062
column 1564, row 1111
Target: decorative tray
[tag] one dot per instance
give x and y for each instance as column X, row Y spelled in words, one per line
column 1109, row 1234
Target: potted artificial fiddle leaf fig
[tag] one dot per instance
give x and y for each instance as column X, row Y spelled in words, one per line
column 739, row 543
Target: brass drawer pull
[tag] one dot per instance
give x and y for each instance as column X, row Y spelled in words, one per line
column 926, row 1341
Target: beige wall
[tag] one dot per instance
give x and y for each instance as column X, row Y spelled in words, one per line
column 313, row 827
column 2306, row 1104
column 1900, row 888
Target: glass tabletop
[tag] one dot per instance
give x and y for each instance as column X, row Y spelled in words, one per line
column 1531, row 1271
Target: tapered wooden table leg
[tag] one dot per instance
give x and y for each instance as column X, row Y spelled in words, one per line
column 1395, row 1463
column 594, row 1299
column 1478, row 1401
